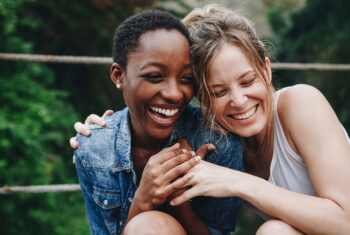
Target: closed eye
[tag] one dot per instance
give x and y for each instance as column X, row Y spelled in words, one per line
column 219, row 93
column 153, row 77
column 248, row 82
column 188, row 79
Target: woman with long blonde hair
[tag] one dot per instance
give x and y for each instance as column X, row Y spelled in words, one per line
column 296, row 151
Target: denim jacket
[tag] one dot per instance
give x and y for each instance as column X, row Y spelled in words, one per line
column 108, row 181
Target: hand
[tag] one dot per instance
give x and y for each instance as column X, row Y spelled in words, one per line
column 161, row 176
column 210, row 180
column 201, row 151
column 84, row 129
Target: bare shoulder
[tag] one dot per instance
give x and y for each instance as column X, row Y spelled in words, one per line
column 302, row 109
column 300, row 95
column 301, row 101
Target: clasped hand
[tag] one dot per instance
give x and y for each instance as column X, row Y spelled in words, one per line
column 166, row 173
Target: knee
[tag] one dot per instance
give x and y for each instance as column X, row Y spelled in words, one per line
column 276, row 227
column 152, row 223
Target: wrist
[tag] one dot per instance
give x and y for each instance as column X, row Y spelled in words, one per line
column 142, row 204
column 246, row 186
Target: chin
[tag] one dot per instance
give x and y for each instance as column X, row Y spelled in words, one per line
column 161, row 134
column 244, row 132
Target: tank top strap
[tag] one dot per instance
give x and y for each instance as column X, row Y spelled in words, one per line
column 277, row 96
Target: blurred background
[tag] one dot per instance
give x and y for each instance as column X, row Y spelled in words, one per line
column 39, row 103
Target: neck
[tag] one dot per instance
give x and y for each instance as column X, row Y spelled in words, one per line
column 142, row 149
column 144, row 146
column 258, row 150
column 148, row 147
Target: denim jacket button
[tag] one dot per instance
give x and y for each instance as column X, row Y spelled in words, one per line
column 121, row 223
column 130, row 199
column 105, row 202
column 128, row 170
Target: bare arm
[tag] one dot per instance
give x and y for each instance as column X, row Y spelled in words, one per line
column 317, row 136
column 184, row 212
column 161, row 178
column 155, row 188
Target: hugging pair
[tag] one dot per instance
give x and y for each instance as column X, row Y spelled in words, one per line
column 137, row 179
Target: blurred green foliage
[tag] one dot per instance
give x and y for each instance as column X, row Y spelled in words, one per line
column 40, row 102
column 35, row 120
column 318, row 33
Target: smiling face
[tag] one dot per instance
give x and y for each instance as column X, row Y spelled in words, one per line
column 157, row 83
column 239, row 96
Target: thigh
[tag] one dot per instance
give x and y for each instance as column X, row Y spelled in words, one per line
column 153, row 222
column 275, row 226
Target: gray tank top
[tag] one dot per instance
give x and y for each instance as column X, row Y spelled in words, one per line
column 287, row 168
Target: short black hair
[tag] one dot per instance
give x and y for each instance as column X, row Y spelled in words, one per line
column 127, row 35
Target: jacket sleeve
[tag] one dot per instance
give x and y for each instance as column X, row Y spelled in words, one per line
column 95, row 219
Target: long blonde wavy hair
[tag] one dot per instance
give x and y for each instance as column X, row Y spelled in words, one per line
column 211, row 27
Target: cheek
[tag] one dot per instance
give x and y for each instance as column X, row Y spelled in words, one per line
column 217, row 108
column 188, row 92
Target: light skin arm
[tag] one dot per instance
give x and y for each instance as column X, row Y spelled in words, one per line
column 184, row 212
column 83, row 129
column 161, row 178
column 155, row 187
column 314, row 131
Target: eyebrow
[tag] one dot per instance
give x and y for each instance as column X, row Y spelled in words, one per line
column 154, row 64
column 238, row 78
column 160, row 65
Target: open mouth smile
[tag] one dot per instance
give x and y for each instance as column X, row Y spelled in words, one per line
column 163, row 114
column 245, row 115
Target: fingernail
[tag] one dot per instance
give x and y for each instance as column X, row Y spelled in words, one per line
column 197, row 158
column 211, row 147
column 172, row 203
column 184, row 150
column 193, row 153
column 190, row 175
column 103, row 123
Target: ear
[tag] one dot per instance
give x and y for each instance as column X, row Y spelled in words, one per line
column 117, row 75
column 268, row 66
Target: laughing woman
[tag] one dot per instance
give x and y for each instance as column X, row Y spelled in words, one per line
column 296, row 151
column 124, row 169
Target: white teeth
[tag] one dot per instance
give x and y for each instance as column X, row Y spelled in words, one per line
column 166, row 112
column 246, row 115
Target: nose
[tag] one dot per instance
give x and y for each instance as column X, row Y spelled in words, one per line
column 238, row 98
column 172, row 91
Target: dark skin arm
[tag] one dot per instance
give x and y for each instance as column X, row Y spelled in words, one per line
column 184, row 212
column 161, row 178
column 192, row 224
column 158, row 188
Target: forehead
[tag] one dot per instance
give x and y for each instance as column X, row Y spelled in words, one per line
column 162, row 44
column 229, row 62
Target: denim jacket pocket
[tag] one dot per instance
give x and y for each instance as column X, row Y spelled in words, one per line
column 106, row 199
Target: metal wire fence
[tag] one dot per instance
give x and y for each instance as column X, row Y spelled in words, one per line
column 5, row 190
